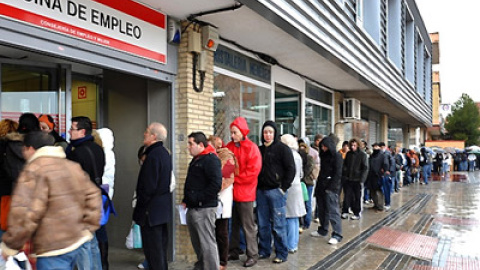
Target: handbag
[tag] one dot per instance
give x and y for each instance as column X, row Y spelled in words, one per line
column 305, row 192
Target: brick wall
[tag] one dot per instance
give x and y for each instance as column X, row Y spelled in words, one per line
column 194, row 112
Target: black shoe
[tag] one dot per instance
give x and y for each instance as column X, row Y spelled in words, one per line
column 233, row 257
column 250, row 262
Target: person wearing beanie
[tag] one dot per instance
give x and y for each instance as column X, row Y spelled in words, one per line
column 244, row 191
column 28, row 122
column 48, row 125
column 276, row 177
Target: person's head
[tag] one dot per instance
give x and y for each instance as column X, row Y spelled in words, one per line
column 269, row 132
column 215, row 141
column 345, row 146
column 354, row 144
column 35, row 140
column 197, row 142
column 317, row 139
column 28, row 122
column 290, row 141
column 46, row 123
column 376, row 146
column 382, row 146
column 239, row 129
column 155, row 132
column 7, row 126
column 81, row 127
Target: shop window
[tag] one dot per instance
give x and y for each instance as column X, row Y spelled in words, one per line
column 234, row 97
column 318, row 120
column 287, row 110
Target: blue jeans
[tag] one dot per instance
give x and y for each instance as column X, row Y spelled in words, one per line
column 89, row 256
column 308, row 206
column 293, row 234
column 61, row 262
column 272, row 208
column 387, row 189
column 427, row 172
column 471, row 165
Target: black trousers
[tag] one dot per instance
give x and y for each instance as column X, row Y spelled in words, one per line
column 221, row 234
column 352, row 197
column 155, row 246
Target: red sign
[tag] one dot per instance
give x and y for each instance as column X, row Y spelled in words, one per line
column 82, row 92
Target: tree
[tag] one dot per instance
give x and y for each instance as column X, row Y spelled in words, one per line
column 464, row 122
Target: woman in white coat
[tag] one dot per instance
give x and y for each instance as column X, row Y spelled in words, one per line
column 295, row 202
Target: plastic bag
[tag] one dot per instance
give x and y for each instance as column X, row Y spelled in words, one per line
column 134, row 237
column 13, row 262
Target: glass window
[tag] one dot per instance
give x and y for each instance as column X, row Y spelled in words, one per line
column 318, row 120
column 233, row 98
column 37, row 90
column 287, row 110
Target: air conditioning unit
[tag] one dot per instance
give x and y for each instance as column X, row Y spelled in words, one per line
column 351, row 108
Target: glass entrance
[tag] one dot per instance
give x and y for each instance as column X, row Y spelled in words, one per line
column 287, row 110
column 38, row 89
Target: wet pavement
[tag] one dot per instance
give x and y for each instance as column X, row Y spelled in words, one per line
column 435, row 226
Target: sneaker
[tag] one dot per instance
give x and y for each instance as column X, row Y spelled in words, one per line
column 333, row 241
column 345, row 215
column 387, row 207
column 300, row 230
column 354, row 217
column 140, row 266
column 316, row 234
column 316, row 220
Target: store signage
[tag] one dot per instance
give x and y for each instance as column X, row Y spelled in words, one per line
column 236, row 62
column 123, row 25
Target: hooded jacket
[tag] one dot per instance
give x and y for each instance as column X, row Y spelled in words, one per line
column 278, row 169
column 11, row 161
column 331, row 161
column 54, row 203
column 204, row 180
column 249, row 164
column 378, row 165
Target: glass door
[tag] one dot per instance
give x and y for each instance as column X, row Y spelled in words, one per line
column 35, row 88
column 287, row 110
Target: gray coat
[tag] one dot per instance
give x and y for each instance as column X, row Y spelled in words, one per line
column 295, row 203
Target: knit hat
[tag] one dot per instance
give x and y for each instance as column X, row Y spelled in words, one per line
column 45, row 119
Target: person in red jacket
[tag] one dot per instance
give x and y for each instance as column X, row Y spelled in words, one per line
column 244, row 191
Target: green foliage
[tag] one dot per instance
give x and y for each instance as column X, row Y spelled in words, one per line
column 464, row 122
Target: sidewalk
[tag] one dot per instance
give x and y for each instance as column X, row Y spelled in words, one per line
column 445, row 213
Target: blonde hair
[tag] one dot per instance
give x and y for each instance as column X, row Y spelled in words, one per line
column 290, row 141
column 7, row 126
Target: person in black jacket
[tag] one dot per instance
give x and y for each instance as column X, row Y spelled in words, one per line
column 354, row 175
column 204, row 181
column 378, row 166
column 83, row 150
column 276, row 176
column 153, row 209
column 327, row 191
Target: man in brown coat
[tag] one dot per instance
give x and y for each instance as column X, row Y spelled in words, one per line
column 54, row 204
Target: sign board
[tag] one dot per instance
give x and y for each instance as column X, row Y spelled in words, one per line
column 123, row 25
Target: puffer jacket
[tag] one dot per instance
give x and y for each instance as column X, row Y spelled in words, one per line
column 11, row 161
column 249, row 164
column 54, row 203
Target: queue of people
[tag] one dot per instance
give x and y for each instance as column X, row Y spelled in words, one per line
column 264, row 196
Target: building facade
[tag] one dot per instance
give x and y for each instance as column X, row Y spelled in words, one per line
column 350, row 67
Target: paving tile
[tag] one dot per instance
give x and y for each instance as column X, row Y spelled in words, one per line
column 415, row 245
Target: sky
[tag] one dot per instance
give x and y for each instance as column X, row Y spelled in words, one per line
column 457, row 23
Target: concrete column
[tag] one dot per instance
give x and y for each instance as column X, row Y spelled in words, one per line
column 384, row 128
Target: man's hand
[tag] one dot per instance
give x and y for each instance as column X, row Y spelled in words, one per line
column 184, row 205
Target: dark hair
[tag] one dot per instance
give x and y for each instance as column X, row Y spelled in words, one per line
column 38, row 139
column 344, row 143
column 28, row 122
column 199, row 137
column 381, row 144
column 83, row 122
